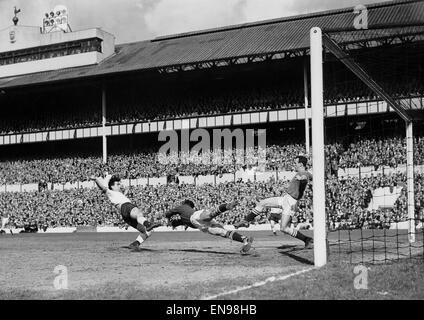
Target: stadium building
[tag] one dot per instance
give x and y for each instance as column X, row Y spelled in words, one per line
column 76, row 95
column 74, row 106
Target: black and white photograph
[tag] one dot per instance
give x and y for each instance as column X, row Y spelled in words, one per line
column 211, row 154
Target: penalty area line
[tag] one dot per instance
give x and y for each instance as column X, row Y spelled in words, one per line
column 259, row 284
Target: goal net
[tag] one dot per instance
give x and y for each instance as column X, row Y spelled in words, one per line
column 367, row 90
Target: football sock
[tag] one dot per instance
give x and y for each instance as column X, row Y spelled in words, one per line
column 141, row 228
column 295, row 233
column 301, row 236
column 251, row 215
column 141, row 237
column 233, row 235
column 222, row 208
column 141, row 220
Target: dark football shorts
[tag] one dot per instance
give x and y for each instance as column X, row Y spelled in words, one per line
column 126, row 209
column 275, row 217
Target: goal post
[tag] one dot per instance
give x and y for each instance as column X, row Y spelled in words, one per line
column 318, row 157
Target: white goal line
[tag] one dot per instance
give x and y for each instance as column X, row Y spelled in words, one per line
column 259, row 284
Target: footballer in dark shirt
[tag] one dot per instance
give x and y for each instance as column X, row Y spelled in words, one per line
column 186, row 215
column 287, row 202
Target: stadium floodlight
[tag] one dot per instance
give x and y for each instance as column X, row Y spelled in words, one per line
column 318, row 166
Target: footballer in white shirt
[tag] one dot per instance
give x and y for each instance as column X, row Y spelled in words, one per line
column 130, row 213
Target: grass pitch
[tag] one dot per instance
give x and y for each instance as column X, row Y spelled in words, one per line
column 188, row 265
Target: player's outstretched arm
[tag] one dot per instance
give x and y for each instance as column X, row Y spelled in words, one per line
column 99, row 182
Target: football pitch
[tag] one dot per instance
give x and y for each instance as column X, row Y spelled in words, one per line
column 175, row 265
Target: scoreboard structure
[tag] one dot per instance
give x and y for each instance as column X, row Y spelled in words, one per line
column 31, row 49
column 57, row 20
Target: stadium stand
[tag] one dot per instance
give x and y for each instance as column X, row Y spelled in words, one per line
column 377, row 152
column 204, row 73
column 347, row 202
column 66, row 109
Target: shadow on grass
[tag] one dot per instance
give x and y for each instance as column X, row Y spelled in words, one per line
column 144, row 250
column 297, row 258
column 290, row 246
column 203, row 251
column 132, row 249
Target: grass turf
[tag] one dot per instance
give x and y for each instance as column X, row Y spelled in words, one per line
column 403, row 279
column 190, row 265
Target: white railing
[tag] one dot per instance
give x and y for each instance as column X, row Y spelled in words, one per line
column 361, row 172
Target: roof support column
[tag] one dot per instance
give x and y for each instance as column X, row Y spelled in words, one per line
column 410, row 179
column 104, row 137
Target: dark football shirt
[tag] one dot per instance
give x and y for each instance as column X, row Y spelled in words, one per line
column 184, row 211
column 298, row 184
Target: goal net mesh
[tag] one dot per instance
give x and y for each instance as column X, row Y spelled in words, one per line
column 365, row 143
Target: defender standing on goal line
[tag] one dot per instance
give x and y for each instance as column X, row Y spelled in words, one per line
column 186, row 215
column 111, row 185
column 287, row 203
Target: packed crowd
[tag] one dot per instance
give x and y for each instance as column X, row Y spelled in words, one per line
column 64, row 110
column 46, row 122
column 353, row 91
column 347, row 201
column 82, row 108
column 365, row 152
column 380, row 152
column 196, row 101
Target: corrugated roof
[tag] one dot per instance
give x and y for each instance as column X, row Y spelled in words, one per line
column 270, row 36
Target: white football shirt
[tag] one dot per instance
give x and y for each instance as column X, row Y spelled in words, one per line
column 116, row 197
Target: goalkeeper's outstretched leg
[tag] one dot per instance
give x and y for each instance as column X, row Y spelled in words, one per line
column 204, row 220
